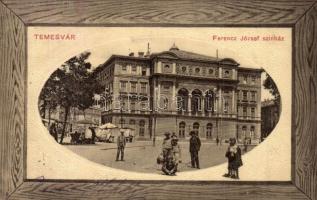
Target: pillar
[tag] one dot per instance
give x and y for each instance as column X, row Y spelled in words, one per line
column 189, row 106
column 233, row 101
column 203, row 104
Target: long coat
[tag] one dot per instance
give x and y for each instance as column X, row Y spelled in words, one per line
column 194, row 144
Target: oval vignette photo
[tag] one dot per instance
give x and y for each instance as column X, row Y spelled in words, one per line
column 161, row 111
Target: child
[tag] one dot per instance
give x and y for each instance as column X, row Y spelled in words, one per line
column 234, row 159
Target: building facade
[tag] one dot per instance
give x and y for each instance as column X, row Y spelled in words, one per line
column 180, row 91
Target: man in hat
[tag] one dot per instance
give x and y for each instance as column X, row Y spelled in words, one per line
column 167, row 144
column 120, row 146
column 194, row 147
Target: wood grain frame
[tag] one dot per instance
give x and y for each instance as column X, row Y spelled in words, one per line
column 16, row 16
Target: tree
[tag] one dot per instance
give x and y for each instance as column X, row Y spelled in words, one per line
column 271, row 86
column 48, row 97
column 73, row 85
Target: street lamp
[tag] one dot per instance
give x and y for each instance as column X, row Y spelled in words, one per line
column 217, row 97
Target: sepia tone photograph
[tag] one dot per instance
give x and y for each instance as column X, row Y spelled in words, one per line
column 163, row 109
column 51, row 146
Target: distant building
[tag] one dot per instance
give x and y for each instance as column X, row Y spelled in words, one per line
column 77, row 119
column 181, row 91
column 270, row 111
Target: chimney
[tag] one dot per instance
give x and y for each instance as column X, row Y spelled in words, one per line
column 131, row 54
column 141, row 54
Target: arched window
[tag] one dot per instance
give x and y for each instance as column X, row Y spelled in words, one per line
column 165, row 103
column 196, row 100
column 182, row 100
column 209, row 131
column 141, row 128
column 196, row 127
column 181, row 130
column 197, row 70
column 183, row 69
column 209, row 101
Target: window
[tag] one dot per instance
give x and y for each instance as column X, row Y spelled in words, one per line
column 245, row 79
column 132, row 106
column 226, row 74
column 165, row 102
column 181, row 131
column 252, row 135
column 209, row 101
column 245, row 113
column 143, row 71
column 143, row 88
column 226, row 106
column 141, row 128
column 210, row 71
column 124, row 67
column 134, row 67
column 123, row 86
column 133, row 87
column 253, row 94
column 132, row 121
column 196, row 128
column 197, row 70
column 167, row 67
column 253, row 79
column 209, row 131
column 244, row 129
column 252, row 112
column 245, row 95
column 122, row 105
column 183, row 69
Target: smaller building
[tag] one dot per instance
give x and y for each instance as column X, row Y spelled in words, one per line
column 77, row 120
column 270, row 112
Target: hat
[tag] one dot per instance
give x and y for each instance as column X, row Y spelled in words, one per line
column 174, row 137
column 192, row 133
column 167, row 133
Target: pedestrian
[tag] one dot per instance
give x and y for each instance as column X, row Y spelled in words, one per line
column 120, row 146
column 169, row 166
column 93, row 134
column 217, row 141
column 176, row 150
column 233, row 155
column 167, row 144
column 173, row 135
column 194, row 147
column 245, row 149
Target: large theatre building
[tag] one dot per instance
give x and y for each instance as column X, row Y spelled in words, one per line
column 180, row 91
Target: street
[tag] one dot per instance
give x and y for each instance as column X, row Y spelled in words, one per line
column 140, row 156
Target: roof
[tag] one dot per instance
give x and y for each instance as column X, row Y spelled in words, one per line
column 174, row 51
column 248, row 69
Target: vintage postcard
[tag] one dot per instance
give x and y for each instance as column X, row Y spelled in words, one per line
column 154, row 103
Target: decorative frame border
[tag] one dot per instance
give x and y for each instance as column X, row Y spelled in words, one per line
column 16, row 16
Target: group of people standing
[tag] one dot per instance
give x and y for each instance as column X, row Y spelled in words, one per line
column 171, row 153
